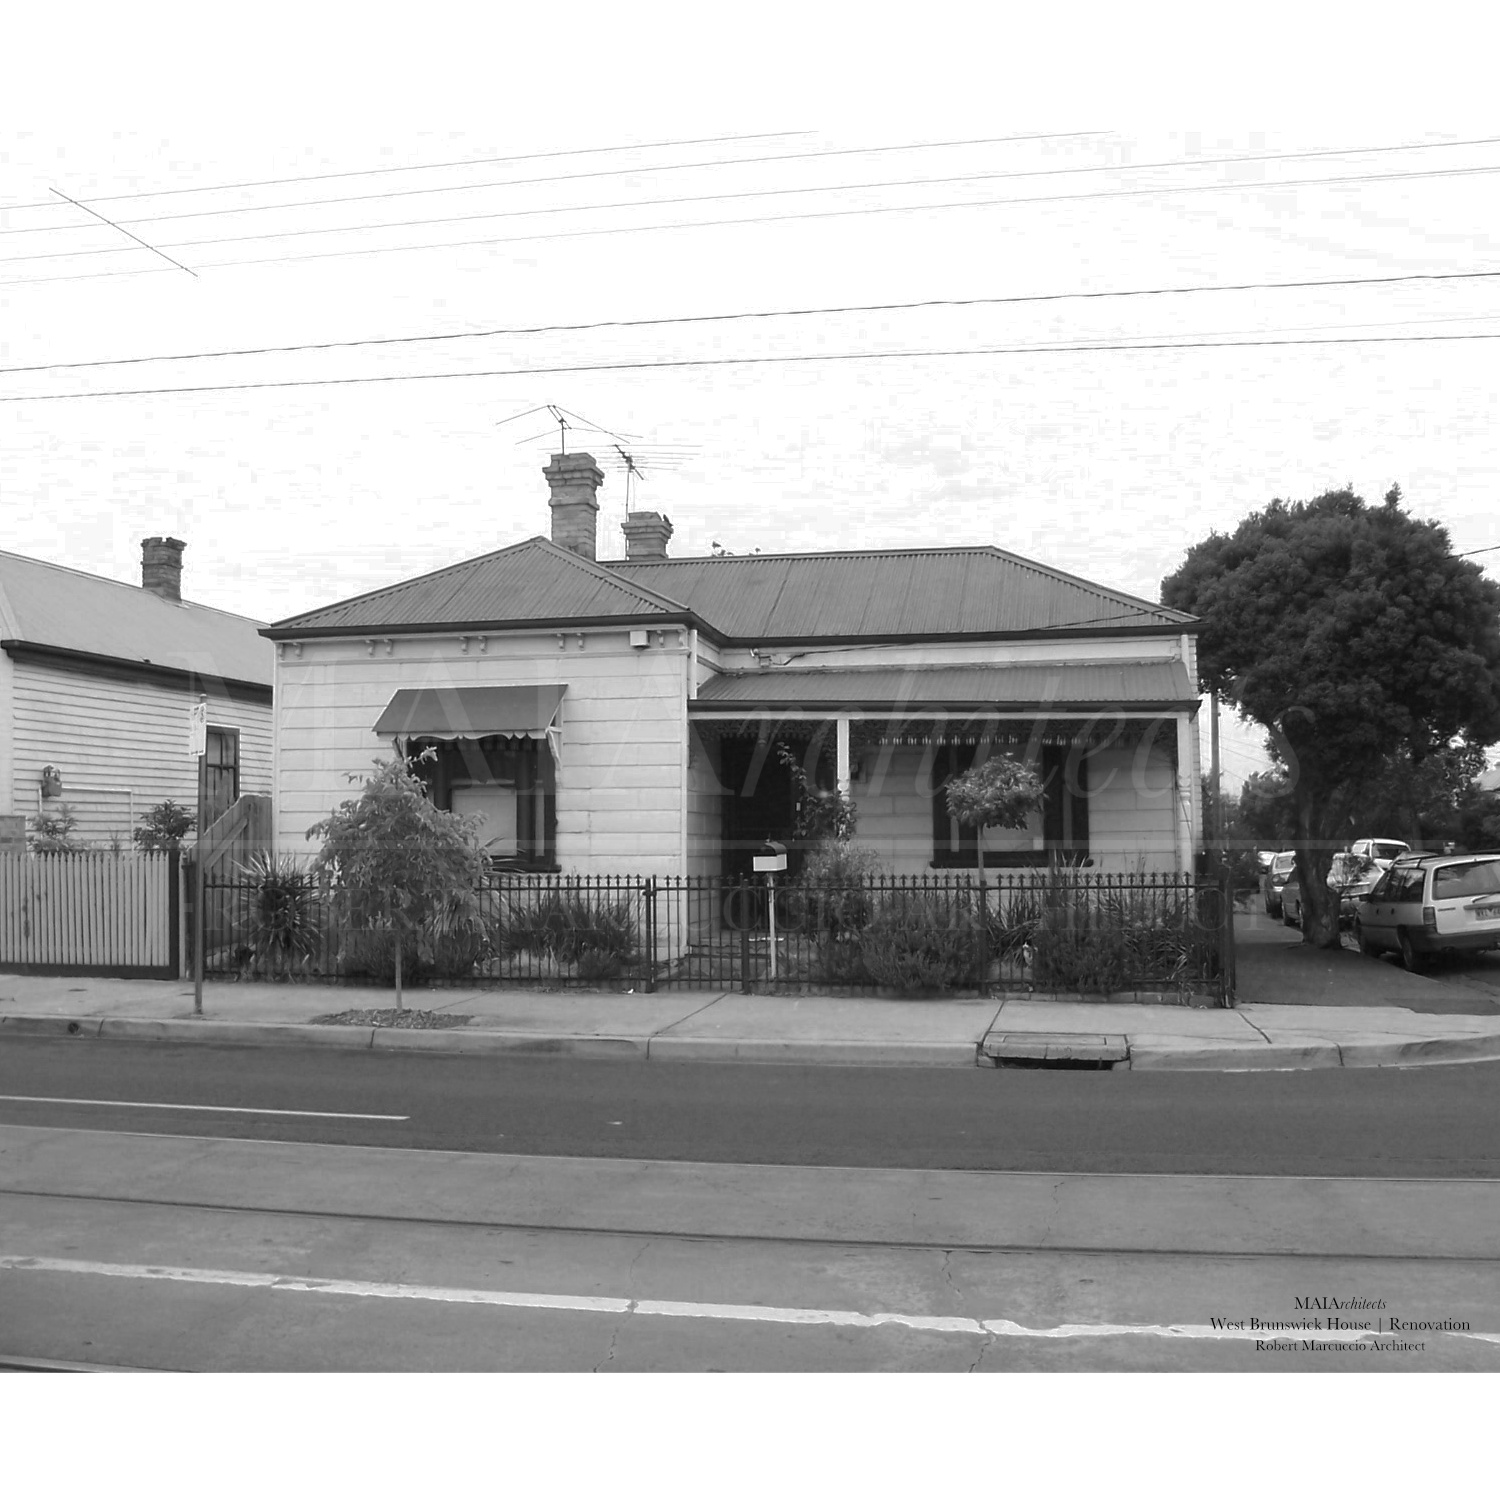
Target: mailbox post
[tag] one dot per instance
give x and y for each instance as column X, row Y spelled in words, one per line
column 770, row 861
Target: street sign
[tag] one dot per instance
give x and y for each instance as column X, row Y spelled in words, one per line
column 198, row 728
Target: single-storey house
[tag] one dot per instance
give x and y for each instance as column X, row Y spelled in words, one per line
column 612, row 717
column 96, row 681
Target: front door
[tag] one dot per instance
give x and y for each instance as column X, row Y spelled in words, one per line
column 759, row 803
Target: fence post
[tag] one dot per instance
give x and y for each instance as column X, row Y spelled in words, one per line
column 650, row 896
column 982, row 947
column 744, row 940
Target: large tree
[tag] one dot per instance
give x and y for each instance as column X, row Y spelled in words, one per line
column 1356, row 637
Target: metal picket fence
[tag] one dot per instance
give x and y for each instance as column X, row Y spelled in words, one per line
column 1047, row 932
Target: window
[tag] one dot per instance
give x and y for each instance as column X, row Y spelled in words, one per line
column 1481, row 878
column 1065, row 812
column 508, row 784
column 221, row 763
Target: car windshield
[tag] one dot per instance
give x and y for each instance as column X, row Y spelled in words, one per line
column 1481, row 878
column 1282, row 863
column 1387, row 851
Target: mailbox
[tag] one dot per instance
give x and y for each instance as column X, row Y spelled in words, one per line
column 770, row 859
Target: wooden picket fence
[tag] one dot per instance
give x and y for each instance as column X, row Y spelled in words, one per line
column 89, row 913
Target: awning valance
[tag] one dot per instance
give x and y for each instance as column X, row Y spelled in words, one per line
column 469, row 713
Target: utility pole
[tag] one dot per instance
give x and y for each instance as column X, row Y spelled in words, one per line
column 198, row 746
column 1216, row 833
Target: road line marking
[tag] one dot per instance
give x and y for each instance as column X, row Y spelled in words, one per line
column 216, row 1109
column 644, row 1308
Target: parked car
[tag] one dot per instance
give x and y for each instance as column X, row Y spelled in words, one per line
column 1432, row 903
column 1291, row 900
column 1274, row 878
column 1383, row 851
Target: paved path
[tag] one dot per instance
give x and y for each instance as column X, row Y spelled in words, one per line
column 1298, row 1007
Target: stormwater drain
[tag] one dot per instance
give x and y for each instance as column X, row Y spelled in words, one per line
column 1044, row 1049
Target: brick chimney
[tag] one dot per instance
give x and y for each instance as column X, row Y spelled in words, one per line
column 575, row 479
column 161, row 567
column 647, row 533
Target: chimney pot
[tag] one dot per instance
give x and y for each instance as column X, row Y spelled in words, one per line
column 161, row 567
column 574, row 479
column 647, row 533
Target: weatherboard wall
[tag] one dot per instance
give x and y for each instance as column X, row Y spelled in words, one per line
column 620, row 793
column 121, row 746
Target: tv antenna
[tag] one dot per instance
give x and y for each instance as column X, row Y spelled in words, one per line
column 633, row 471
column 566, row 420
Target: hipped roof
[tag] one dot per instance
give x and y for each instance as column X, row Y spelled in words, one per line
column 931, row 594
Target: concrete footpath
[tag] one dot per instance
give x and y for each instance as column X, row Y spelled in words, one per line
column 1367, row 1014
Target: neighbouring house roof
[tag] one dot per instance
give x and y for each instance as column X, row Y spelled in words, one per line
column 848, row 596
column 534, row 582
column 838, row 596
column 1094, row 687
column 83, row 619
column 447, row 713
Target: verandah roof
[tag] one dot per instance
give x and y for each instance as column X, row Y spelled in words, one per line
column 1071, row 687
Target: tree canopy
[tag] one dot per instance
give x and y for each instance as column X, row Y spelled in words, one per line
column 1000, row 793
column 1358, row 639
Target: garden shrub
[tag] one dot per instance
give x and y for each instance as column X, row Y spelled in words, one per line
column 564, row 925
column 282, row 928
column 919, row 940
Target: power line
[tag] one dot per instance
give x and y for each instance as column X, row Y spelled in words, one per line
column 128, row 235
column 1477, row 550
column 1204, row 187
column 436, row 166
column 785, row 312
column 733, row 161
column 764, row 359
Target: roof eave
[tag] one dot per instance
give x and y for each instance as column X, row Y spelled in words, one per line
column 940, row 637
column 909, row 708
column 679, row 618
column 103, row 665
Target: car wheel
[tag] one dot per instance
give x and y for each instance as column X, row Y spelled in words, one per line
column 1411, row 960
column 1365, row 945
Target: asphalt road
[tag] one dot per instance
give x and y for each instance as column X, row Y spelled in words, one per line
column 1434, row 1122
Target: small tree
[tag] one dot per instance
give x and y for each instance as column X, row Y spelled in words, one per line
column 1001, row 793
column 398, row 863
column 53, row 833
column 164, row 827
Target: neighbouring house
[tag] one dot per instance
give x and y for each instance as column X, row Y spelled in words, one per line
column 605, row 717
column 96, row 681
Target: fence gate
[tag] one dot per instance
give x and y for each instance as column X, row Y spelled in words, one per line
column 89, row 913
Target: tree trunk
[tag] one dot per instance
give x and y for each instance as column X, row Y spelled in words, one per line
column 1320, row 905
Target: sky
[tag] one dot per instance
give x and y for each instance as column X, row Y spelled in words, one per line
column 658, row 163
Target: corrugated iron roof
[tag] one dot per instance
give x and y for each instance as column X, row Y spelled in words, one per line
column 943, row 592
column 948, row 591
column 531, row 582
column 1062, row 685
column 45, row 604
